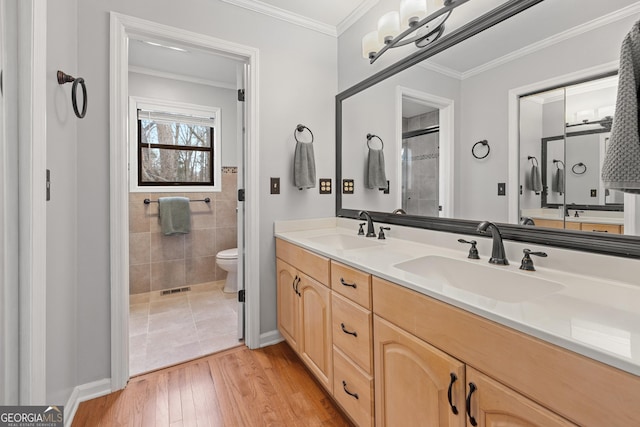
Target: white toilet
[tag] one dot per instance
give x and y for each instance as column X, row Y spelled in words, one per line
column 228, row 261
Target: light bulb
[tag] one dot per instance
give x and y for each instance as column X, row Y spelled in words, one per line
column 370, row 44
column 388, row 27
column 412, row 11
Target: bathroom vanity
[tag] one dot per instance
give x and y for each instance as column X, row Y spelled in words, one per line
column 381, row 323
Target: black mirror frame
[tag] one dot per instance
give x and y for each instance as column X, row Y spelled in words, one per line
column 616, row 245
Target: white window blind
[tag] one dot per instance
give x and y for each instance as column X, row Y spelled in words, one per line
column 164, row 117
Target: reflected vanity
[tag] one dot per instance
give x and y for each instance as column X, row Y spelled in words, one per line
column 477, row 84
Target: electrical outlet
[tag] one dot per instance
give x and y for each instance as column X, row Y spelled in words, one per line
column 502, row 189
column 325, row 185
column 275, row 185
column 347, row 186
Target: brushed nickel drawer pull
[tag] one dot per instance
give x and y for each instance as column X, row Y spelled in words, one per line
column 351, row 285
column 354, row 333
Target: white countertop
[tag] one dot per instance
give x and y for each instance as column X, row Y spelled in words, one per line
column 592, row 315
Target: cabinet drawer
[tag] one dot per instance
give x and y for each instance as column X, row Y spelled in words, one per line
column 352, row 331
column 349, row 378
column 313, row 265
column 601, row 228
column 353, row 284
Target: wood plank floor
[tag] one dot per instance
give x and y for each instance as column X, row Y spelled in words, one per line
column 237, row 387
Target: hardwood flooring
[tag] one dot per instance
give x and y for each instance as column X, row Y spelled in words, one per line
column 237, row 387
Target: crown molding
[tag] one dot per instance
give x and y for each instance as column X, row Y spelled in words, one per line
column 180, row 77
column 354, row 16
column 565, row 35
column 441, row 69
column 285, row 15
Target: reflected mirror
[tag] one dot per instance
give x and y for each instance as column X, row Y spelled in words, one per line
column 569, row 48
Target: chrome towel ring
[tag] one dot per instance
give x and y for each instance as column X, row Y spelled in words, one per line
column 370, row 136
column 485, row 143
column 66, row 78
column 579, row 165
column 300, row 129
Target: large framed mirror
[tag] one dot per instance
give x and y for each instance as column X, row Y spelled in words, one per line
column 452, row 117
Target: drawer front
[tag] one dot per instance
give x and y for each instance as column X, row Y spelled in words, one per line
column 601, row 228
column 350, row 381
column 352, row 331
column 353, row 284
column 309, row 263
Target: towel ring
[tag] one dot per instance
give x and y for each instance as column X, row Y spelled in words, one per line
column 301, row 128
column 483, row 142
column 66, row 78
column 370, row 136
column 532, row 158
column 555, row 162
column 579, row 165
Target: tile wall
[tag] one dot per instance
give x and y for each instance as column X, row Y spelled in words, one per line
column 158, row 262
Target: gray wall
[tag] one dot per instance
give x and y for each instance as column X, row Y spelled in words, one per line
column 297, row 85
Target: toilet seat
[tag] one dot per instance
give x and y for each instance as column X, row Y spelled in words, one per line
column 228, row 254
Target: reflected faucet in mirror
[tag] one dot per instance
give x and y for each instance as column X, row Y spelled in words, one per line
column 497, row 252
column 370, row 229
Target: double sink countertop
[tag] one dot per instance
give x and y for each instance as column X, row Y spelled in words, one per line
column 593, row 310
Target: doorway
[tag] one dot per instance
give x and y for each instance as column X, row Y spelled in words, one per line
column 125, row 32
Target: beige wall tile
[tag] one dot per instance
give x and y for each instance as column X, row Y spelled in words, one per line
column 229, row 187
column 226, row 213
column 139, row 248
column 139, row 278
column 199, row 270
column 204, row 217
column 226, row 238
column 200, row 243
column 164, row 248
column 167, row 274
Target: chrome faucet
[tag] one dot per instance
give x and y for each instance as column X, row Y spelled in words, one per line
column 370, row 229
column 497, row 252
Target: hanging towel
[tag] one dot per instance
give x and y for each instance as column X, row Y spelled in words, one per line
column 535, row 182
column 621, row 167
column 175, row 215
column 304, row 166
column 557, row 184
column 376, row 177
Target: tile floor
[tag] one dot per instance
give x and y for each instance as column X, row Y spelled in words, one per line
column 165, row 330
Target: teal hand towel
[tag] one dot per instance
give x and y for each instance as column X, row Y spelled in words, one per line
column 376, row 176
column 535, row 180
column 175, row 215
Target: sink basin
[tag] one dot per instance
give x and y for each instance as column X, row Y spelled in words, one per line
column 343, row 241
column 493, row 282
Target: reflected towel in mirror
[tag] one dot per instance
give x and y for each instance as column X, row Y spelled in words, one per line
column 376, row 176
column 535, row 181
column 557, row 184
column 175, row 215
column 621, row 167
column 304, row 166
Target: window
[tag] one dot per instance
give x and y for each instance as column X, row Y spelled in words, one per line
column 176, row 146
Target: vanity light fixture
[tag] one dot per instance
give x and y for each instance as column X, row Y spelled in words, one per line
column 419, row 21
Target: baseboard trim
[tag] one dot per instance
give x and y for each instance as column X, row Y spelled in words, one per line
column 83, row 393
column 270, row 338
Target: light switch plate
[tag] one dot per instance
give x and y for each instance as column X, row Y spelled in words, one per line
column 275, row 185
column 502, row 189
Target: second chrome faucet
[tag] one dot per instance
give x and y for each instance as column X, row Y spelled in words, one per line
column 371, row 232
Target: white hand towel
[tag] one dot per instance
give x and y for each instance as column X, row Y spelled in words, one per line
column 621, row 167
column 304, row 166
column 535, row 181
column 376, row 176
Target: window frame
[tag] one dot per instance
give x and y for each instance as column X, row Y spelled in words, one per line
column 136, row 103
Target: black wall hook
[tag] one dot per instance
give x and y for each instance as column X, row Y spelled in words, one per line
column 66, row 78
column 485, row 143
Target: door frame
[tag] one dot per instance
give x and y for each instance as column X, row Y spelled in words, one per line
column 122, row 27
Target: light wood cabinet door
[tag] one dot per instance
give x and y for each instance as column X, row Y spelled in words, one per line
column 287, row 300
column 314, row 344
column 413, row 379
column 494, row 405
